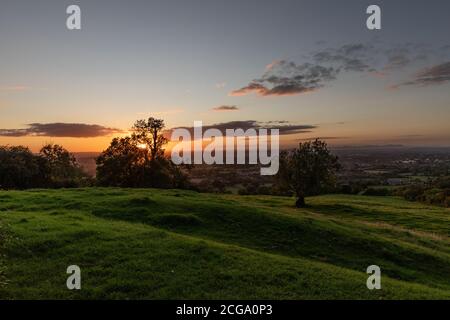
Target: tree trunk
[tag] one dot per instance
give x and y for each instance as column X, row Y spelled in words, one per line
column 300, row 203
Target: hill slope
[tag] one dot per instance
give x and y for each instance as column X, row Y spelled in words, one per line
column 160, row 244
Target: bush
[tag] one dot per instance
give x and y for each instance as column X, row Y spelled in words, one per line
column 21, row 169
column 382, row 192
column 443, row 183
column 430, row 195
column 447, row 202
column 434, row 196
column 53, row 167
column 414, row 193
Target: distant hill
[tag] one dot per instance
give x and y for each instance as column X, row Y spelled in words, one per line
column 159, row 244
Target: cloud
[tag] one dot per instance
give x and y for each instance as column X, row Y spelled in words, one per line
column 226, row 108
column 221, row 85
column 437, row 74
column 61, row 130
column 167, row 112
column 277, row 122
column 411, row 136
column 397, row 61
column 272, row 64
column 13, row 88
column 284, row 127
column 283, row 77
column 323, row 138
column 288, row 78
column 402, row 56
column 350, row 57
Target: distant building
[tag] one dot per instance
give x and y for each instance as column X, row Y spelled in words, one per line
column 395, row 181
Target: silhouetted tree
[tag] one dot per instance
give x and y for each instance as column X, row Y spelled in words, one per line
column 307, row 170
column 52, row 167
column 63, row 168
column 150, row 133
column 138, row 160
column 120, row 164
column 21, row 169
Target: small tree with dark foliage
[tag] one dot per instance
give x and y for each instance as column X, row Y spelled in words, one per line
column 118, row 165
column 21, row 169
column 64, row 170
column 308, row 170
column 53, row 167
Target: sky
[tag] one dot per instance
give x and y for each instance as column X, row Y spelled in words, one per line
column 310, row 68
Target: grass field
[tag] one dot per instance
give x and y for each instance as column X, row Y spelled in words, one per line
column 172, row 244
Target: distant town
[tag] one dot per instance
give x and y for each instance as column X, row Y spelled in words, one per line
column 365, row 169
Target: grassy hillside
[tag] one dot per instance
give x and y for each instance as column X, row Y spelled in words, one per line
column 161, row 244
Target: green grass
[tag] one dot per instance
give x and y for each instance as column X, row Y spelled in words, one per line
column 172, row 244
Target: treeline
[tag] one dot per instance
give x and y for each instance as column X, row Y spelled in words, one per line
column 134, row 161
column 434, row 192
column 52, row 167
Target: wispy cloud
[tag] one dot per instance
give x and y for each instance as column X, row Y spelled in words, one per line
column 272, row 64
column 284, row 77
column 437, row 74
column 66, row 130
column 15, row 88
column 288, row 78
column 161, row 113
column 226, row 108
column 350, row 57
column 323, row 138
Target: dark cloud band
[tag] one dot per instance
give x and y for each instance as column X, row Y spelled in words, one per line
column 437, row 74
column 62, row 130
column 226, row 108
column 283, row 126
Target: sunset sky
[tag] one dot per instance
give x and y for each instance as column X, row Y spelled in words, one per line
column 311, row 68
